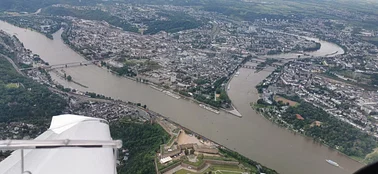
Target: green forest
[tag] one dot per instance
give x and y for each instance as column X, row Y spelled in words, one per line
column 91, row 15
column 142, row 141
column 21, row 98
column 34, row 5
column 332, row 131
column 217, row 87
column 177, row 21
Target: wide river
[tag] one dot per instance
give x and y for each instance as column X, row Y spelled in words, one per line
column 252, row 135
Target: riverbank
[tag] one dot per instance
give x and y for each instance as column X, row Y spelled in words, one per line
column 234, row 110
column 48, row 35
column 264, row 111
column 66, row 42
column 222, row 148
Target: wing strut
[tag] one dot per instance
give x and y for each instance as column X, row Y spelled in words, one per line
column 51, row 144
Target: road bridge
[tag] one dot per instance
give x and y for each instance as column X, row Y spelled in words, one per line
column 263, row 59
column 62, row 65
column 254, row 67
column 256, row 61
column 249, row 66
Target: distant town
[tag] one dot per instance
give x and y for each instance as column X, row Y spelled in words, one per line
column 195, row 62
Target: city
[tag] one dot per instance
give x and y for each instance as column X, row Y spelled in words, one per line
column 310, row 74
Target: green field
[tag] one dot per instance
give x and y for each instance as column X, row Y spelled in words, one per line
column 197, row 163
column 369, row 158
column 219, row 158
column 11, row 85
column 171, row 140
column 183, row 171
column 216, row 169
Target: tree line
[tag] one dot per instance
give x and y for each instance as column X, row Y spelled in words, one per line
column 331, row 131
column 177, row 21
column 28, row 100
column 142, row 142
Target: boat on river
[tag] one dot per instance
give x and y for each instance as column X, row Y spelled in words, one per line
column 332, row 163
column 156, row 88
column 172, row 95
column 209, row 108
column 166, row 92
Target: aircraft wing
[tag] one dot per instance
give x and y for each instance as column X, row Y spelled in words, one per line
column 72, row 145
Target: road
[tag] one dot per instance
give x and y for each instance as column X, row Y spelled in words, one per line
column 13, row 64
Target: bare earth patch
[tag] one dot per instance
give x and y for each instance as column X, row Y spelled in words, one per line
column 284, row 100
column 187, row 139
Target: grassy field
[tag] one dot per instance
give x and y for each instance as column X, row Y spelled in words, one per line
column 284, row 100
column 226, row 172
column 183, row 171
column 12, row 85
column 197, row 163
column 219, row 158
column 177, row 130
column 257, row 106
column 371, row 157
column 224, row 169
column 216, row 170
column 358, row 159
column 171, row 140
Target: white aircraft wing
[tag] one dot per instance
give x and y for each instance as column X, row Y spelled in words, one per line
column 72, row 145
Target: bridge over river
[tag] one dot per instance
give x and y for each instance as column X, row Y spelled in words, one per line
column 62, row 65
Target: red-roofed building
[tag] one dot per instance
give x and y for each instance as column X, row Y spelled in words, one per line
column 299, row 117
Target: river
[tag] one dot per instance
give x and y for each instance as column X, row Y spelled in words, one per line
column 327, row 49
column 252, row 135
